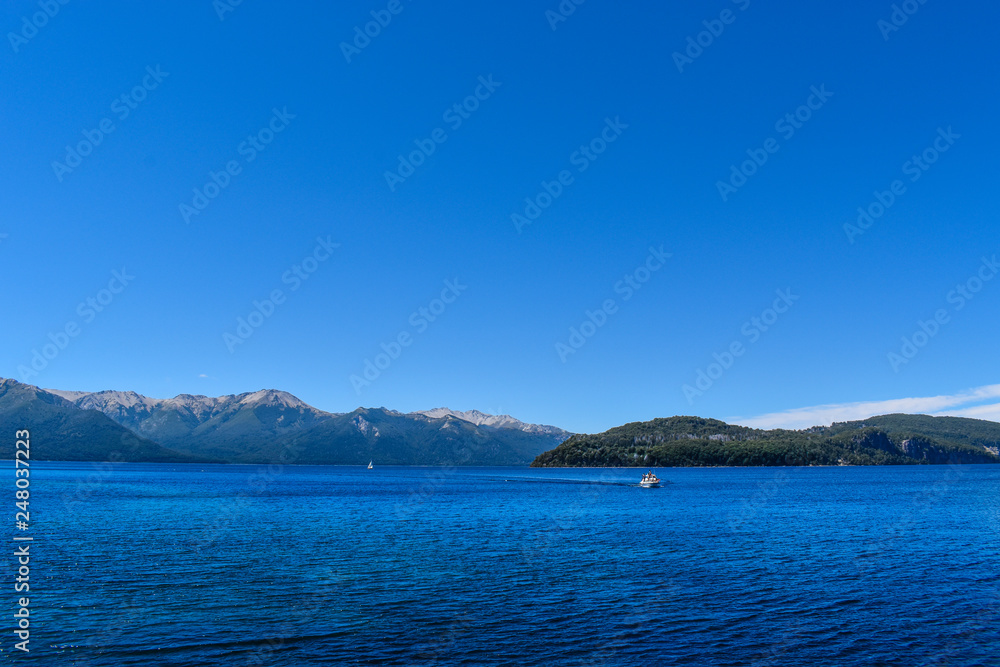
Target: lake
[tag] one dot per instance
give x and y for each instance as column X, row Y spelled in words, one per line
column 139, row 564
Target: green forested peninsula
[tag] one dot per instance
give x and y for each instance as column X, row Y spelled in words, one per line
column 694, row 442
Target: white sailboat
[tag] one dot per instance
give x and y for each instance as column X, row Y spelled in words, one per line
column 370, row 465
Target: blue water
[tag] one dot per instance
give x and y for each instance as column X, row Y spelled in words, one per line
column 237, row 565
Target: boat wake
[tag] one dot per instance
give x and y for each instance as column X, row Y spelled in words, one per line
column 591, row 482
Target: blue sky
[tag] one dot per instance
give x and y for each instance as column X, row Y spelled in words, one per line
column 624, row 130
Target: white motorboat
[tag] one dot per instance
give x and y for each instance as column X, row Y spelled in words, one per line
column 649, row 481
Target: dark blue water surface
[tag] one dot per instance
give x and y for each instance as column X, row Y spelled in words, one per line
column 136, row 564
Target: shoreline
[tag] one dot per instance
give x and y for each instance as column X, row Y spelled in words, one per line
column 518, row 467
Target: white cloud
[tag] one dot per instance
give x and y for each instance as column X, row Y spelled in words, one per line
column 956, row 405
column 990, row 412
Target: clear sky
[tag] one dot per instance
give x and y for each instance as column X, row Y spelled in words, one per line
column 668, row 163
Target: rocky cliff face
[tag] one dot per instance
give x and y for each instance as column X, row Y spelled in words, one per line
column 925, row 450
column 920, row 449
column 876, row 440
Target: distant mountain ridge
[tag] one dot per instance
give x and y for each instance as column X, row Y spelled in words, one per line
column 393, row 438
column 271, row 426
column 496, row 421
column 61, row 431
column 221, row 427
column 694, row 441
column 274, row 426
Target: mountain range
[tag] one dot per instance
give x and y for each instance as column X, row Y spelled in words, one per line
column 271, row 426
column 267, row 426
column 61, row 431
